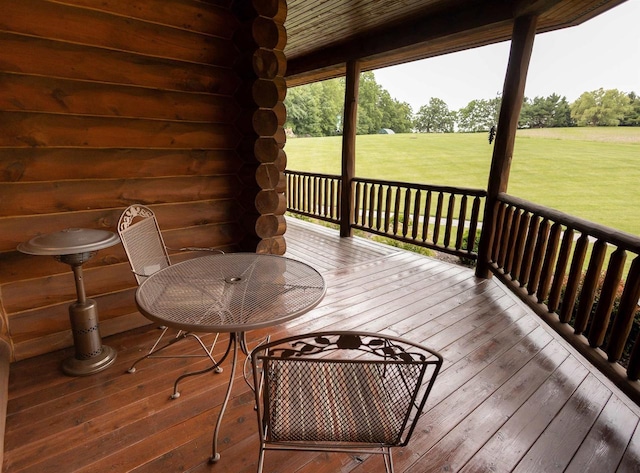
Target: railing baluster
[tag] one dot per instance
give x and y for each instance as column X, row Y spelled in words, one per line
column 325, row 197
column 379, row 207
column 356, row 210
column 387, row 209
column 416, row 214
column 473, row 226
column 497, row 233
column 309, row 197
column 505, row 237
column 396, row 211
column 575, row 274
column 449, row 221
column 538, row 257
column 529, row 247
column 406, row 213
column 513, row 238
column 320, row 197
column 365, row 202
column 427, row 217
column 521, row 240
column 462, row 222
column 549, row 259
column 339, row 201
column 561, row 270
column 372, row 205
column 633, row 370
column 608, row 293
column 590, row 286
column 627, row 310
column 438, row 218
column 313, row 197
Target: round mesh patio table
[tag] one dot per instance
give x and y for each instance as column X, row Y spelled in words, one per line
column 233, row 293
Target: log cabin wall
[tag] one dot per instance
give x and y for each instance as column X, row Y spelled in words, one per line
column 104, row 104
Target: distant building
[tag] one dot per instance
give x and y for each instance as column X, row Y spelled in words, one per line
column 386, row 131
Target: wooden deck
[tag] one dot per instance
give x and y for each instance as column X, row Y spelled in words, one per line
column 512, row 396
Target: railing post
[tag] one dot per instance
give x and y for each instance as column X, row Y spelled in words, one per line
column 349, row 146
column 524, row 31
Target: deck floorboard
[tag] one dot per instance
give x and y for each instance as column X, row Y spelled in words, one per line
column 512, row 396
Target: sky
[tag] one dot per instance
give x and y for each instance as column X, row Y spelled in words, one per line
column 603, row 52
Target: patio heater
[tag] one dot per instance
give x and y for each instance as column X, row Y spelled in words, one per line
column 75, row 246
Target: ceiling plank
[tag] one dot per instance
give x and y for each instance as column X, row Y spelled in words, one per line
column 418, row 30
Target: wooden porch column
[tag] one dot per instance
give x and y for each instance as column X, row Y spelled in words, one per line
column 349, row 146
column 524, row 31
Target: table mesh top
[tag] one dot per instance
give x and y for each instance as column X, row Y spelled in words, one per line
column 231, row 292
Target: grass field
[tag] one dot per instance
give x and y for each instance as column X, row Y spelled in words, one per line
column 592, row 173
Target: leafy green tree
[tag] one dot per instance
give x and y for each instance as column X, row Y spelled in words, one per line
column 435, row 117
column 601, row 108
column 632, row 117
column 369, row 111
column 479, row 115
column 395, row 115
column 303, row 111
column 545, row 112
column 331, row 102
column 315, row 109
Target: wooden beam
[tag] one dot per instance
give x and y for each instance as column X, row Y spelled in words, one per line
column 524, row 31
column 349, row 146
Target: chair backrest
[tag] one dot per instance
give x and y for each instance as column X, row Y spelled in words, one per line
column 342, row 387
column 142, row 241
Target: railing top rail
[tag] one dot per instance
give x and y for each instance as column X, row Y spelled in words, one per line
column 426, row 187
column 626, row 241
column 312, row 174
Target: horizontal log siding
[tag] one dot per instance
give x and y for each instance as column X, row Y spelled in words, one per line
column 573, row 273
column 111, row 104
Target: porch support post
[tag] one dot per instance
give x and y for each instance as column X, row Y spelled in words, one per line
column 349, row 146
column 524, row 31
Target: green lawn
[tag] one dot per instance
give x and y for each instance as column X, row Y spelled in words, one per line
column 592, row 173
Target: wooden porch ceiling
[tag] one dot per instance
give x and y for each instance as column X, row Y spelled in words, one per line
column 323, row 34
column 512, row 396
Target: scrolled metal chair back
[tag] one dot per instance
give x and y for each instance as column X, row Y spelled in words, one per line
column 341, row 391
column 142, row 240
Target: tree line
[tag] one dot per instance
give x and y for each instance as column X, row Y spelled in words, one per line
column 317, row 110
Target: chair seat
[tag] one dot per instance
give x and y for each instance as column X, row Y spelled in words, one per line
column 338, row 402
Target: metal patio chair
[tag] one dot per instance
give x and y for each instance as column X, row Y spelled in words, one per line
column 353, row 392
column 147, row 253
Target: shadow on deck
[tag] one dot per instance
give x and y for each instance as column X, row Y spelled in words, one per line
column 512, row 395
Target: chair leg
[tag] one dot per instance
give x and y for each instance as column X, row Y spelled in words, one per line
column 153, row 351
column 388, row 460
column 218, row 368
column 246, row 368
column 261, row 460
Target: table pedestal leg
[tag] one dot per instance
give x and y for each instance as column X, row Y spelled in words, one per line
column 233, row 339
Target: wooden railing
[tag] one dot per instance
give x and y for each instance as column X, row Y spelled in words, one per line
column 441, row 218
column 314, row 195
column 575, row 275
column 582, row 278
